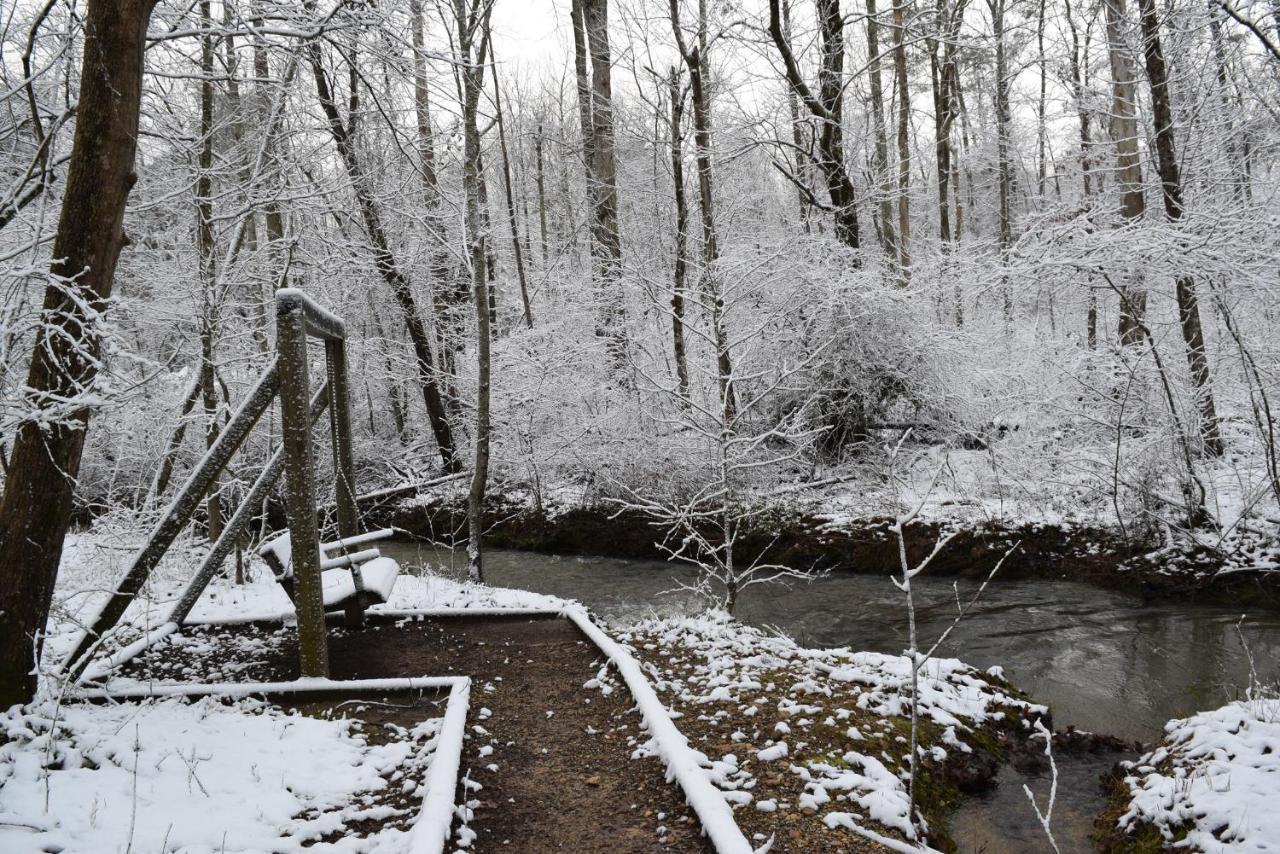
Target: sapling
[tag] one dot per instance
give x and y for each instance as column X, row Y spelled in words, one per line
column 1045, row 818
column 918, row 660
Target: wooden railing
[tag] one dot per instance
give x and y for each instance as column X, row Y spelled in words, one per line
column 297, row 318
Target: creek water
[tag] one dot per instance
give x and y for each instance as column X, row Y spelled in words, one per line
column 1101, row 660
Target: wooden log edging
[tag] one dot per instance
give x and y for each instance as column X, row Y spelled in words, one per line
column 683, row 763
column 431, row 830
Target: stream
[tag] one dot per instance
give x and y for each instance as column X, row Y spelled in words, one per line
column 1101, row 660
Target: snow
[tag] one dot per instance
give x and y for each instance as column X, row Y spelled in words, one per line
column 772, row 754
column 165, row 774
column 378, row 577
column 1216, row 775
column 736, row 667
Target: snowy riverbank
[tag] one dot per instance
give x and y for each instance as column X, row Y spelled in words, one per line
column 823, row 531
column 1211, row 785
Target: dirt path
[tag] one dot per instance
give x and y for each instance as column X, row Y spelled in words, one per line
column 552, row 757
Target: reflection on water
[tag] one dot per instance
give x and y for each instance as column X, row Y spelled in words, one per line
column 1101, row 660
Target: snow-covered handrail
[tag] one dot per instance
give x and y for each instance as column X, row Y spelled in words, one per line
column 320, row 322
column 682, row 762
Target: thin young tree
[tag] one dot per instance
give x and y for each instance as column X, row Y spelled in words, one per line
column 472, row 43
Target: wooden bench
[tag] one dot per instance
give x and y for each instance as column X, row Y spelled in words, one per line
column 341, row 560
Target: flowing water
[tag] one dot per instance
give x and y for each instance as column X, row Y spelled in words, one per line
column 1102, row 661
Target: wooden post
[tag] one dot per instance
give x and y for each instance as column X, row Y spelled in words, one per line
column 300, row 488
column 335, row 350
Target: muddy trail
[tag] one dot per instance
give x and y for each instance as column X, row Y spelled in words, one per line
column 552, row 758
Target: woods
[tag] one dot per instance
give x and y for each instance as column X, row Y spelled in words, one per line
column 679, row 257
column 653, row 334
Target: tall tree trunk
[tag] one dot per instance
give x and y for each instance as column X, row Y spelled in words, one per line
column 1041, row 132
column 384, row 260
column 1171, row 186
column 473, row 20
column 208, row 275
column 828, row 108
column 273, row 217
column 1079, row 81
column 880, row 151
column 45, row 461
column 1124, row 131
column 511, row 201
column 538, row 143
column 682, row 235
column 582, row 78
column 696, row 61
column 1004, row 158
column 941, row 66
column 1235, row 158
column 800, row 155
column 904, row 140
column 606, row 238
column 446, row 291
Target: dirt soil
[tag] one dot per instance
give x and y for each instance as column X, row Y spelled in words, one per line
column 552, row 758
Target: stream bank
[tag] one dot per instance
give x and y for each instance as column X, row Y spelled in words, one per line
column 1098, row 556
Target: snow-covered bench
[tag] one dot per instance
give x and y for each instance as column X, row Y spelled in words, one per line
column 337, row 581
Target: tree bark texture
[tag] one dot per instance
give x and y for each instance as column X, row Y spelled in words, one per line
column 45, row 460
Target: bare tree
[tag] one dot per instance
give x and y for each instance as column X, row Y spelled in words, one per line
column 680, row 274
column 1124, row 132
column 904, row 140
column 1171, row 187
column 45, row 461
column 472, row 20
column 383, row 258
column 827, row 108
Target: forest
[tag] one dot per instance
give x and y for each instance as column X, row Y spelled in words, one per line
column 857, row 418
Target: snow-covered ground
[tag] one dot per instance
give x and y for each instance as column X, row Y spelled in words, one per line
column 815, row 731
column 780, row 730
column 1214, row 782
column 166, row 775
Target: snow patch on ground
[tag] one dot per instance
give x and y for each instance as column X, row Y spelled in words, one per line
column 1216, row 776
column 722, row 672
column 170, row 774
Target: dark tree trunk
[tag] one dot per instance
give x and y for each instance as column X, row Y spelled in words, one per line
column 904, row 141
column 45, row 462
column 695, row 61
column 1124, row 131
column 827, row 107
column 516, row 248
column 682, row 235
column 1004, row 157
column 472, row 22
column 1171, row 185
column 606, row 238
column 880, row 151
column 207, row 269
column 385, row 262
